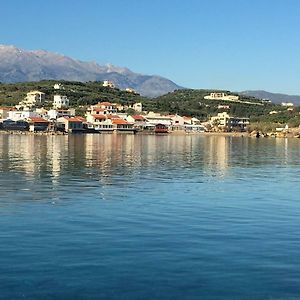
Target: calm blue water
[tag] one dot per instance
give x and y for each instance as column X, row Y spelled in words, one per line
column 149, row 217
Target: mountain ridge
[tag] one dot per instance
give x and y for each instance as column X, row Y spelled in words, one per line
column 20, row 65
column 274, row 97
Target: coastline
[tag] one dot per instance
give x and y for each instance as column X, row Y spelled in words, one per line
column 290, row 134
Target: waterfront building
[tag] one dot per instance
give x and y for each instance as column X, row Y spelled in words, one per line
column 225, row 121
column 139, row 122
column 120, row 124
column 4, row 111
column 37, row 124
column 70, row 124
column 17, row 115
column 157, row 118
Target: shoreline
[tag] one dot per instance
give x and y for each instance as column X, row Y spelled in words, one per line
column 173, row 133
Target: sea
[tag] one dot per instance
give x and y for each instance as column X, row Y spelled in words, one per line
column 117, row 216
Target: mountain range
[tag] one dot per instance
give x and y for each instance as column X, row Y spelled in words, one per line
column 19, row 65
column 274, row 97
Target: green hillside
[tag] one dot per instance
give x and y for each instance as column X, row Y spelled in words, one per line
column 192, row 103
column 182, row 102
column 79, row 93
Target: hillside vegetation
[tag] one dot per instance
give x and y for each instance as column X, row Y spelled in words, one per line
column 182, row 102
column 192, row 102
column 79, row 93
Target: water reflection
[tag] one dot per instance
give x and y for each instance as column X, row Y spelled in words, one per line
column 104, row 157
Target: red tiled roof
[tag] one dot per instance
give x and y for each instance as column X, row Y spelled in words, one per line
column 97, row 108
column 104, row 103
column 99, row 117
column 138, row 117
column 8, row 107
column 113, row 117
column 76, row 119
column 37, row 120
column 119, row 122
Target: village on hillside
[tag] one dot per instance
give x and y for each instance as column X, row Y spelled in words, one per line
column 33, row 114
column 104, row 117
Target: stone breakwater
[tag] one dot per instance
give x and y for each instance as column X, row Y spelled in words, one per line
column 20, row 132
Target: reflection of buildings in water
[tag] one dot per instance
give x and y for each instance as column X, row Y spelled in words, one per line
column 24, row 149
column 57, row 146
column 217, row 151
column 282, row 149
column 112, row 153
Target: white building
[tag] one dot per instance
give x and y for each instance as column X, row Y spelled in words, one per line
column 287, row 104
column 17, row 115
column 130, row 90
column 108, row 83
column 221, row 96
column 57, row 113
column 224, row 120
column 156, row 118
column 58, row 86
column 60, row 101
column 32, row 99
column 191, row 121
column 35, row 97
column 177, row 120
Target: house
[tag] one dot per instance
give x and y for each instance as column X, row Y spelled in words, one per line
column 224, row 121
column 103, row 108
column 4, row 111
column 130, row 90
column 139, row 122
column 16, row 115
column 156, row 118
column 135, row 119
column 288, row 104
column 99, row 122
column 32, row 99
column 37, row 124
column 221, row 96
column 35, row 97
column 177, row 120
column 60, row 101
column 58, row 86
column 108, row 83
column 122, row 125
column 54, row 114
column 70, row 124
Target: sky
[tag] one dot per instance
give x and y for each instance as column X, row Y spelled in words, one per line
column 219, row 44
